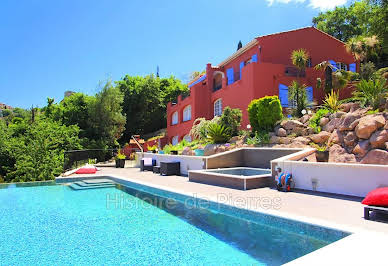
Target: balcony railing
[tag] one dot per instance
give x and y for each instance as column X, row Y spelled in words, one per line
column 294, row 72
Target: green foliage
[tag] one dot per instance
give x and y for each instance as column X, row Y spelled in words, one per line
column 145, row 102
column 120, row 155
column 300, row 58
column 260, row 138
column 231, row 120
column 200, row 127
column 264, row 113
column 152, row 148
column 297, row 95
column 372, row 92
column 38, row 153
column 217, row 133
column 332, row 101
column 367, row 70
column 315, row 120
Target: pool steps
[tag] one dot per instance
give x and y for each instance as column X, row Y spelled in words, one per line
column 92, row 184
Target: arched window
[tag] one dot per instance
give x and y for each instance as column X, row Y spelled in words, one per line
column 174, row 120
column 175, row 140
column 187, row 113
column 218, row 107
column 187, row 138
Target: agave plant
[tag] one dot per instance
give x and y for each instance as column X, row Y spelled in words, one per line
column 217, row 133
column 372, row 92
column 332, row 101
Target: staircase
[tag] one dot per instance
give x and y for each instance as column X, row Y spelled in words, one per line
column 92, row 184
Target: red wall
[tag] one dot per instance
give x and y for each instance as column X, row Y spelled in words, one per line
column 262, row 78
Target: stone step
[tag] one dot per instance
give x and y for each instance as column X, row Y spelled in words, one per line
column 75, row 186
column 83, row 184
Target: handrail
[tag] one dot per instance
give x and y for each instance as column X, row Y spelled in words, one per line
column 138, row 144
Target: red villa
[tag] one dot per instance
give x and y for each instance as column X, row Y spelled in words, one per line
column 262, row 67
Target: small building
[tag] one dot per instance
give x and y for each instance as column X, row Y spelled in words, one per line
column 260, row 68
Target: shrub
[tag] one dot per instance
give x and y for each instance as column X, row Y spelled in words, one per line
column 316, row 119
column 200, row 127
column 217, row 133
column 367, row 70
column 297, row 95
column 231, row 120
column 332, row 101
column 260, row 138
column 371, row 92
column 264, row 113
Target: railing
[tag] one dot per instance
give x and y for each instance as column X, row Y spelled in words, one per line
column 294, row 72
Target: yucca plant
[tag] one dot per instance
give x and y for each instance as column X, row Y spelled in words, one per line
column 217, row 133
column 332, row 101
column 371, row 92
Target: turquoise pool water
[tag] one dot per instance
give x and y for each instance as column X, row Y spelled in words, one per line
column 54, row 225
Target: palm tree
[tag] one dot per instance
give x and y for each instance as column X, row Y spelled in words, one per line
column 299, row 59
column 297, row 96
column 362, row 47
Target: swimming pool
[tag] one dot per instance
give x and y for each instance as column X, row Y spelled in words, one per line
column 53, row 224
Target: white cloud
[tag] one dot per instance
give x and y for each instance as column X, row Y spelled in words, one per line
column 319, row 4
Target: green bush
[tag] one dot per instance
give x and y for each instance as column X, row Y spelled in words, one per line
column 372, row 92
column 217, row 133
column 200, row 127
column 231, row 120
column 264, row 113
column 260, row 138
column 316, row 119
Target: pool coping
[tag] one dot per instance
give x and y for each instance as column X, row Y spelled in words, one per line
column 359, row 236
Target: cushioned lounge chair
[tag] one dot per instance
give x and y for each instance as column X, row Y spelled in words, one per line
column 147, row 164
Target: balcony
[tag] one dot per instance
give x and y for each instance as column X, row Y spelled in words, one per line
column 291, row 71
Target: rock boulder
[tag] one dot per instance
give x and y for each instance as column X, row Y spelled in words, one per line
column 378, row 139
column 337, row 154
column 321, row 137
column 369, row 124
column 376, row 157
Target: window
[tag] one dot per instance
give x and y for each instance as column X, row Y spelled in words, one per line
column 187, row 113
column 342, row 66
column 218, row 107
column 187, row 138
column 175, row 140
column 309, row 63
column 174, row 118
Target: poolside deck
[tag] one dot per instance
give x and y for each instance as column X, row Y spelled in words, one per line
column 345, row 213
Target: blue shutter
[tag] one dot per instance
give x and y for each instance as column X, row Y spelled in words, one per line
column 230, row 75
column 352, row 67
column 254, row 58
column 334, row 65
column 309, row 91
column 283, row 95
column 241, row 67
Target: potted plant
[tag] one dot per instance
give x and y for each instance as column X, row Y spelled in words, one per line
column 322, row 153
column 153, row 148
column 174, row 152
column 120, row 160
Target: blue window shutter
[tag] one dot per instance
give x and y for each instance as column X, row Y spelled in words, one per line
column 230, row 75
column 309, row 91
column 352, row 67
column 283, row 95
column 334, row 65
column 254, row 58
column 241, row 67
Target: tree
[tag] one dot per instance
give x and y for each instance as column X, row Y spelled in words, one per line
column 264, row 113
column 231, row 120
column 297, row 94
column 145, row 102
column 107, row 122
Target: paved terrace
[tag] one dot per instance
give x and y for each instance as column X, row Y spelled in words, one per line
column 344, row 213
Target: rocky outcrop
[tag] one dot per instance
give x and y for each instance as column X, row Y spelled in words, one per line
column 348, row 122
column 323, row 122
column 321, row 137
column 337, row 154
column 336, row 137
column 350, row 139
column 379, row 138
column 362, row 148
column 302, row 140
column 376, row 157
column 369, row 124
column 333, row 124
column 291, row 124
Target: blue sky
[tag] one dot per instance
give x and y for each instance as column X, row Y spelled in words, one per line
column 48, row 47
